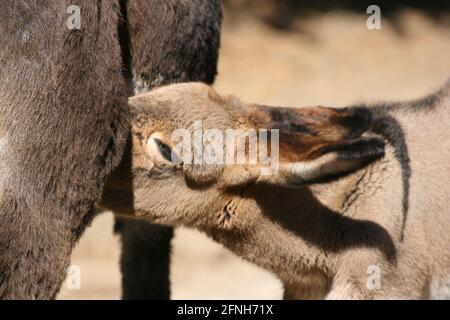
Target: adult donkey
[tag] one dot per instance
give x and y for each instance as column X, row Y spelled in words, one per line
column 64, row 122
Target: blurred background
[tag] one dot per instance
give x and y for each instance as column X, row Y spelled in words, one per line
column 288, row 53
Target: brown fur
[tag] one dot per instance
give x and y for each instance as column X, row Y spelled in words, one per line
column 64, row 120
column 322, row 125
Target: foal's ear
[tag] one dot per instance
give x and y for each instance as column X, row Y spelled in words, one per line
column 315, row 144
column 329, row 162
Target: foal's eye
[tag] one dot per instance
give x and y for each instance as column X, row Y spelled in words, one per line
column 167, row 153
column 165, row 150
column 161, row 152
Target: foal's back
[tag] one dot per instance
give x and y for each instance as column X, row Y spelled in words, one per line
column 426, row 127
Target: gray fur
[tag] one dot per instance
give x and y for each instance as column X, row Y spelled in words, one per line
column 63, row 111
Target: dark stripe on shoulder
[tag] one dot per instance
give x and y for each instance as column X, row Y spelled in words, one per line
column 387, row 126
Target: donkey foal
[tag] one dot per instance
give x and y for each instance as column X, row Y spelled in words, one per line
column 358, row 209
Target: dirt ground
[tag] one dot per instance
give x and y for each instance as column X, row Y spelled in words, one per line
column 335, row 60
